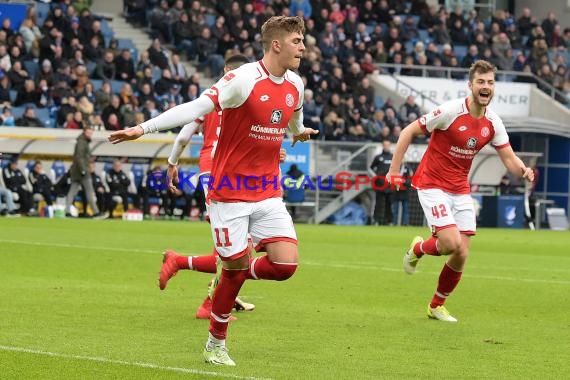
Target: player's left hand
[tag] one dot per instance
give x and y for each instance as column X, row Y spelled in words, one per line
column 172, row 174
column 132, row 133
column 528, row 174
column 282, row 155
column 306, row 135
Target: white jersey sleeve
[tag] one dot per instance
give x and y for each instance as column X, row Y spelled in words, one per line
column 182, row 140
column 442, row 116
column 501, row 138
column 233, row 89
column 296, row 123
column 180, row 115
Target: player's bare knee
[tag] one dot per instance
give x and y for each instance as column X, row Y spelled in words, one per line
column 449, row 245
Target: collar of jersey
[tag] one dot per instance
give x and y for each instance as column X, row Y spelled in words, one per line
column 273, row 78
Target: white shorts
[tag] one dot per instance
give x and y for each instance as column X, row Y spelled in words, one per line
column 267, row 221
column 444, row 210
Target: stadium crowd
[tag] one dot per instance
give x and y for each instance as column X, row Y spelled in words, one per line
column 67, row 65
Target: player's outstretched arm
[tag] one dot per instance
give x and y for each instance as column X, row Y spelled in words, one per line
column 131, row 133
column 174, row 117
column 514, row 164
column 408, row 134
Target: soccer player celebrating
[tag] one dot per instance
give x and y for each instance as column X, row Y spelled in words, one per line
column 459, row 129
column 172, row 262
column 258, row 101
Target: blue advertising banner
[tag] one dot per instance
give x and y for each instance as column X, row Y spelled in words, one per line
column 510, row 211
column 299, row 155
column 15, row 12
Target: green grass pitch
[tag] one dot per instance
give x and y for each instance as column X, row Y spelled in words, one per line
column 79, row 299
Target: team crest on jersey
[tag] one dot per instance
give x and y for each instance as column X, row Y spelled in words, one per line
column 289, row 100
column 485, row 131
column 471, row 142
column 276, row 116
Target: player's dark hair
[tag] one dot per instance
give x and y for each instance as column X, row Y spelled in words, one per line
column 277, row 26
column 236, row 61
column 481, row 67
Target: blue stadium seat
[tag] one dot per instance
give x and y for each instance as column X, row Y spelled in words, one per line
column 18, row 111
column 378, row 102
column 295, row 195
column 42, row 11
column 90, row 66
column 43, row 115
column 423, row 35
column 138, row 174
column 31, row 67
column 116, row 86
column 58, row 169
column 97, row 83
column 210, row 19
column 125, row 43
column 460, row 51
column 13, row 95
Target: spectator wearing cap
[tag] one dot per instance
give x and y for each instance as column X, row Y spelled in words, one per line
column 74, row 31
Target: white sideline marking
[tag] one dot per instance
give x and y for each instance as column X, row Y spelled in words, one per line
column 312, row 263
column 127, row 363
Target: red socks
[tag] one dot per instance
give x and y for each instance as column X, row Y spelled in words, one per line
column 224, row 298
column 205, row 264
column 428, row 247
column 261, row 268
column 448, row 280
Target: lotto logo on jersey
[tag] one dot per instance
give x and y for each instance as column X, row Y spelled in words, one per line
column 289, row 100
column 276, row 116
column 471, row 142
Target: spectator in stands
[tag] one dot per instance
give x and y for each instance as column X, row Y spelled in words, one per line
column 95, row 31
column 548, row 25
column 157, row 55
column 471, row 56
column 118, row 184
column 334, row 126
column 150, row 111
column 526, row 22
column 311, row 112
column 183, row 36
column 6, row 118
column 5, row 60
column 29, row 119
column 500, row 48
column 301, row 8
column 46, row 72
column 355, row 130
column 68, row 106
column 177, row 69
column 408, row 108
column 16, row 182
column 383, row 206
column 32, row 36
column 112, row 122
column 74, row 121
column 27, row 94
column 94, row 49
column 206, row 48
column 106, row 69
column 79, row 175
column 390, row 119
column 41, row 184
column 74, row 32
column 127, row 95
column 85, row 107
column 17, row 76
column 164, row 84
column 125, row 66
column 113, row 108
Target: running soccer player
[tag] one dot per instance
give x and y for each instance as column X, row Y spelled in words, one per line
column 459, row 130
column 259, row 101
column 210, row 125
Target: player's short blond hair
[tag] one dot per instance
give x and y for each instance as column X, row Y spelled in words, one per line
column 278, row 26
column 481, row 67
